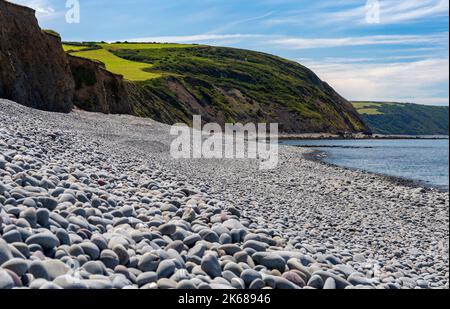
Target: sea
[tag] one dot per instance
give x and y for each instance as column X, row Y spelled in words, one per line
column 421, row 160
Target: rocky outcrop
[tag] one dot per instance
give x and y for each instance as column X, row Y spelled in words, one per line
column 34, row 70
column 98, row 90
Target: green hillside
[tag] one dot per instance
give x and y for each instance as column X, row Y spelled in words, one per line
column 404, row 118
column 171, row 82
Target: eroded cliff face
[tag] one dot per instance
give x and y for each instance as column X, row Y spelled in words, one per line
column 34, row 70
column 97, row 90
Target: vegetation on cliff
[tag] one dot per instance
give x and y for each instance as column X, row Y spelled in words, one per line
column 404, row 119
column 174, row 81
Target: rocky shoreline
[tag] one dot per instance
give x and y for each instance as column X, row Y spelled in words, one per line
column 95, row 201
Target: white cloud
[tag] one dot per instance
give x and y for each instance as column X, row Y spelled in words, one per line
column 43, row 8
column 308, row 43
column 418, row 81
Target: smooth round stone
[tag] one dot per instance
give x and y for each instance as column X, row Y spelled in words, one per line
column 225, row 239
column 68, row 282
column 234, row 211
column 228, row 275
column 211, row 266
column 69, row 198
column 180, row 275
column 122, row 253
column 340, row 282
column 18, row 266
column 167, row 229
column 166, row 284
column 198, row 250
column 234, row 268
column 99, row 241
column 120, row 269
column 90, row 249
column 109, row 258
column 231, row 249
column 54, row 268
column 12, row 236
column 149, row 262
column 250, row 275
column 16, row 279
column 63, row 237
column 177, row 245
column 270, row 260
column 95, row 267
column 127, row 211
column 166, row 269
column 238, row 283
column 61, row 221
column 119, row 281
column 330, row 284
column 16, row 253
column 169, row 208
column 22, row 248
column 358, row 279
column 241, row 257
column 294, row 264
column 257, row 284
column 258, row 246
column 233, row 224
column 46, row 240
column 279, row 283
column 6, row 282
column 186, row 285
column 42, row 217
column 48, row 203
column 209, row 236
column 29, row 215
column 37, row 283
column 294, row 278
column 75, row 250
column 191, row 240
column 146, row 278
column 316, row 282
column 37, row 269
column 189, row 215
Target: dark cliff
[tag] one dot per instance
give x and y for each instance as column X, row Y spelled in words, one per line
column 97, row 90
column 34, row 70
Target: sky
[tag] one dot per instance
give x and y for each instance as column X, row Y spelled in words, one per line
column 385, row 50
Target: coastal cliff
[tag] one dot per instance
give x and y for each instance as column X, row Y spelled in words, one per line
column 34, row 70
column 97, row 90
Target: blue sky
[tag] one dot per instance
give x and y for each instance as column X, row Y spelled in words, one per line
column 401, row 55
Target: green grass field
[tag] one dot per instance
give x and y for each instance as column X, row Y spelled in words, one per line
column 143, row 46
column 73, row 48
column 130, row 70
column 368, row 108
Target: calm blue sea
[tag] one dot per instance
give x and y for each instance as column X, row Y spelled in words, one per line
column 420, row 160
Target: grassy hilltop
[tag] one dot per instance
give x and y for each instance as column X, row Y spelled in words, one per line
column 171, row 82
column 404, row 118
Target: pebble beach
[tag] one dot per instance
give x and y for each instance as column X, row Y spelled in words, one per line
column 94, row 201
